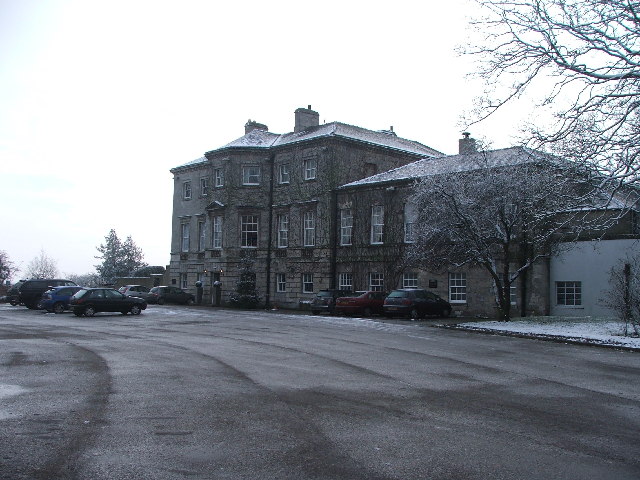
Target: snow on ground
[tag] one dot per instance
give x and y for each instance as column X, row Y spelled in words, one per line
column 579, row 329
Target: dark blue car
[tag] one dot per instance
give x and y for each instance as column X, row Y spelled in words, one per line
column 57, row 298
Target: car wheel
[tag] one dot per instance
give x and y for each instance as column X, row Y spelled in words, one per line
column 135, row 310
column 161, row 301
column 366, row 312
column 414, row 314
column 77, row 313
column 13, row 303
column 89, row 312
column 58, row 307
column 191, row 301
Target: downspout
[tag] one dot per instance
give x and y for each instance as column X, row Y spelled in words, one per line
column 333, row 238
column 267, row 297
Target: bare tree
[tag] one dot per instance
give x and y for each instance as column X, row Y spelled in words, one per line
column 585, row 56
column 623, row 295
column 42, row 266
column 503, row 211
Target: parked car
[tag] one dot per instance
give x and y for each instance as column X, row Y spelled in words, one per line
column 89, row 301
column 415, row 303
column 325, row 300
column 13, row 294
column 171, row 294
column 139, row 291
column 361, row 303
column 31, row 291
column 56, row 299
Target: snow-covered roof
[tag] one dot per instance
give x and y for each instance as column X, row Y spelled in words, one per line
column 454, row 163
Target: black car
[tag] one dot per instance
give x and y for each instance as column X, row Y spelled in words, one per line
column 415, row 303
column 89, row 301
column 13, row 294
column 325, row 300
column 31, row 291
column 162, row 295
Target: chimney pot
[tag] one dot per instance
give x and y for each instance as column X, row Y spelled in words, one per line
column 467, row 145
column 305, row 118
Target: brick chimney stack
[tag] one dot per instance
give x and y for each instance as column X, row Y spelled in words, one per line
column 305, row 118
column 467, row 145
column 253, row 125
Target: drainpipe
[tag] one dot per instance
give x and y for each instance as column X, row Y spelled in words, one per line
column 333, row 238
column 267, row 296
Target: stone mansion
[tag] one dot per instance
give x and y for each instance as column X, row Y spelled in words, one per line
column 324, row 206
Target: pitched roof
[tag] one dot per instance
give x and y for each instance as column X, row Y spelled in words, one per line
column 258, row 138
column 454, row 163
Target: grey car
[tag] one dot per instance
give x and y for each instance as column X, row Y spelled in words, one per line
column 139, row 291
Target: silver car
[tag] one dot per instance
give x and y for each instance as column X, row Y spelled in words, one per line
column 139, row 291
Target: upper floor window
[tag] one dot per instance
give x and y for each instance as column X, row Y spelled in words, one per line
column 249, row 231
column 186, row 190
column 201, row 235
column 251, row 175
column 457, row 287
column 346, row 226
column 377, row 224
column 309, row 229
column 283, row 230
column 409, row 222
column 569, row 293
column 218, row 177
column 310, row 167
column 204, row 186
column 216, row 232
column 283, row 173
column 184, row 237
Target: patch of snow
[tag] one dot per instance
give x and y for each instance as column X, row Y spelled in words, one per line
column 599, row 331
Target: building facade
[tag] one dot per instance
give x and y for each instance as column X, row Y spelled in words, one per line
column 267, row 202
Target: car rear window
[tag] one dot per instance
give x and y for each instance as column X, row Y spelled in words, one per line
column 80, row 293
column 398, row 294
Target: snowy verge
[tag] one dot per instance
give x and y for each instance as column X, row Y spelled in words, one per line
column 579, row 330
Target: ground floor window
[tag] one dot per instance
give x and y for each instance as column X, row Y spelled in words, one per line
column 376, row 282
column 410, row 280
column 569, row 293
column 457, row 287
column 183, row 280
column 345, row 281
column 307, row 283
column 281, row 282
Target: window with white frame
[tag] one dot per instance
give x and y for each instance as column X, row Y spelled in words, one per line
column 346, row 226
column 410, row 280
column 376, row 282
column 377, row 224
column 513, row 294
column 569, row 293
column 457, row 287
column 249, row 231
column 183, row 281
column 283, row 230
column 216, row 232
column 281, row 282
column 186, row 190
column 251, row 175
column 345, row 281
column 410, row 216
column 283, row 173
column 201, row 235
column 184, row 237
column 218, row 177
column 204, row 186
column 309, row 229
column 310, row 168
column 307, row 283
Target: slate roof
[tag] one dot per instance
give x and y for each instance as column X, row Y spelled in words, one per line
column 454, row 163
column 263, row 139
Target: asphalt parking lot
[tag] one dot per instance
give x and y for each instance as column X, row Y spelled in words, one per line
column 200, row 393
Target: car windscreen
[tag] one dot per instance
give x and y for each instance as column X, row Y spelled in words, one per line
column 80, row 293
column 398, row 294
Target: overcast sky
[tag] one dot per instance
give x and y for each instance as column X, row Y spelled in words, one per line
column 99, row 99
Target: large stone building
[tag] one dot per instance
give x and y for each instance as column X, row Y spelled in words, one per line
column 269, row 200
column 328, row 206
